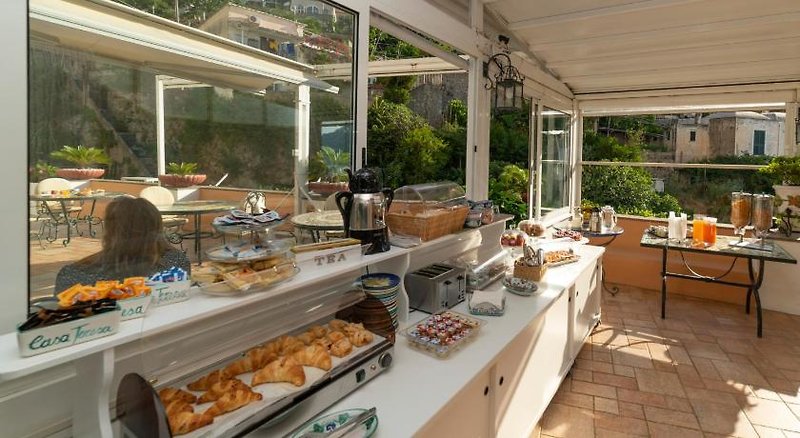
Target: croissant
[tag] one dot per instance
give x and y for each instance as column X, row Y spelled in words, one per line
column 219, row 389
column 240, row 366
column 288, row 345
column 349, row 329
column 337, row 324
column 205, row 382
column 307, row 338
column 185, row 422
column 314, row 356
column 177, row 406
column 262, row 356
column 232, row 401
column 282, row 370
column 341, row 348
column 323, row 342
column 169, row 394
column 318, row 331
column 335, row 336
column 359, row 338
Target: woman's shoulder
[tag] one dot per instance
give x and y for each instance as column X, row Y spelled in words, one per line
column 174, row 257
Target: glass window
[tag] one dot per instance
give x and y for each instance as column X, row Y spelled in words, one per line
column 555, row 159
column 692, row 135
column 240, row 139
column 759, row 141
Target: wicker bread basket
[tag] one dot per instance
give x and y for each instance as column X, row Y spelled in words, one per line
column 532, row 273
column 412, row 219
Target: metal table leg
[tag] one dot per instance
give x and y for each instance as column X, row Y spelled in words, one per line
column 664, row 283
column 755, row 281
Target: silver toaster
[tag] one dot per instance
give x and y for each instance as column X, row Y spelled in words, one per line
column 436, row 287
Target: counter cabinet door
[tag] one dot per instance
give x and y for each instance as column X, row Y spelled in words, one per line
column 584, row 305
column 466, row 415
column 532, row 368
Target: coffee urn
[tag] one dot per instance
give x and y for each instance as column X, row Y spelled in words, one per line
column 364, row 208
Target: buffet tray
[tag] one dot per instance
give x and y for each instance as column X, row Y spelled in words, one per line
column 247, row 283
column 229, row 253
column 277, row 397
column 433, row 346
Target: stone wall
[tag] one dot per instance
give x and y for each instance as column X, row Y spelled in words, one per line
column 433, row 92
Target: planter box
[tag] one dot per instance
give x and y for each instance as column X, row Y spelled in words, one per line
column 170, row 292
column 58, row 336
column 172, row 180
column 80, row 174
column 326, row 188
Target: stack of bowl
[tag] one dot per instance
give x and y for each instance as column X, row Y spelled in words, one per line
column 382, row 287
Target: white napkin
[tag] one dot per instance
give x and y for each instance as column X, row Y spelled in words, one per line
column 494, row 297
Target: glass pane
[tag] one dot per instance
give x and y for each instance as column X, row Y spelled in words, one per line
column 240, row 140
column 555, row 159
column 509, row 142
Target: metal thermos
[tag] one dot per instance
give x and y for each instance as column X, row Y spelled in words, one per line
column 595, row 225
column 363, row 210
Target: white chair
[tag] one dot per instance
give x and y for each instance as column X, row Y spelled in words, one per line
column 51, row 214
column 161, row 197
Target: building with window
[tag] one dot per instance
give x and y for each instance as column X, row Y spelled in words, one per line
column 257, row 29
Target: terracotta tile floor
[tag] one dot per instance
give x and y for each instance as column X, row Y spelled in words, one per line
column 702, row 372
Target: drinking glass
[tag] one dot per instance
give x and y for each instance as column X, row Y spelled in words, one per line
column 710, row 231
column 741, row 205
column 698, row 226
column 762, row 215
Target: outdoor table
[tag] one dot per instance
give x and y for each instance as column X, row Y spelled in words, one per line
column 197, row 209
column 62, row 217
column 316, row 221
column 771, row 252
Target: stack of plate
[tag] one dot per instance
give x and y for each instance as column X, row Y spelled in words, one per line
column 383, row 287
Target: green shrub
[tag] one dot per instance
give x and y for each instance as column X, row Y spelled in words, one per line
column 508, row 189
column 784, row 170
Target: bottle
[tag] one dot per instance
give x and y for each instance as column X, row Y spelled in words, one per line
column 683, row 227
column 672, row 232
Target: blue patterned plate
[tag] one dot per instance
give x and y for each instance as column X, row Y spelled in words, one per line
column 329, row 423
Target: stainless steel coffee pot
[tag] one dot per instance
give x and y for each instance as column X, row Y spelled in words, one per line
column 608, row 218
column 364, row 208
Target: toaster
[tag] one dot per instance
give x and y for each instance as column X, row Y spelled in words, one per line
column 436, row 287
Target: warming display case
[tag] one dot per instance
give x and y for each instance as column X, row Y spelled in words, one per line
column 301, row 352
column 428, row 210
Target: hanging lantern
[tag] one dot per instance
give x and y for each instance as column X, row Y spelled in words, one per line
column 507, row 85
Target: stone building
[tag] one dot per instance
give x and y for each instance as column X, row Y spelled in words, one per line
column 728, row 133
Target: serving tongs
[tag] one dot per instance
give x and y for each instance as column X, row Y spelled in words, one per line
column 344, row 429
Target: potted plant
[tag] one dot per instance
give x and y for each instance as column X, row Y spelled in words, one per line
column 181, row 175
column 785, row 173
column 41, row 170
column 85, row 158
column 328, row 171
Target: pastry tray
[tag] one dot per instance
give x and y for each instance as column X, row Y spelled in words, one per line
column 272, row 393
column 229, row 253
column 433, row 346
column 572, row 259
column 255, row 282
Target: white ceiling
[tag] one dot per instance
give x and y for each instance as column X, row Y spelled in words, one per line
column 623, row 45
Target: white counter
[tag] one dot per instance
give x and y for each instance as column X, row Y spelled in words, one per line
column 418, row 386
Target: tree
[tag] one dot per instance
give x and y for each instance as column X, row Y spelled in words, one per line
column 397, row 89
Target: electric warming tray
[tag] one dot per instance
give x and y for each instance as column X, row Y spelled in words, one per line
column 321, row 390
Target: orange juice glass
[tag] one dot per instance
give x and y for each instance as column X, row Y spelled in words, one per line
column 710, row 231
column 698, row 226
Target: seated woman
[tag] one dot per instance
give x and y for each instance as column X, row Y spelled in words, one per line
column 133, row 246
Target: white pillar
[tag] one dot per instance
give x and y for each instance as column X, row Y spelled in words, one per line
column 576, row 143
column 302, row 126
column 14, row 166
column 791, row 142
column 478, row 119
column 161, row 142
column 360, row 82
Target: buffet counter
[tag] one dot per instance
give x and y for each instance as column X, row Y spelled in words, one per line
column 529, row 349
column 72, row 388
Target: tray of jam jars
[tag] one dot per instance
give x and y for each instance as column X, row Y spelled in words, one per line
column 443, row 332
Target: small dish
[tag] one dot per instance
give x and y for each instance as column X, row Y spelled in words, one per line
column 330, row 422
column 379, row 282
column 520, row 286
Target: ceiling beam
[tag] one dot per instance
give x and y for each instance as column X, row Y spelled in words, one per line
column 679, row 51
column 706, row 27
column 636, row 6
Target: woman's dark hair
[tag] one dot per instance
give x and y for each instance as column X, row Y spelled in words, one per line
column 133, row 237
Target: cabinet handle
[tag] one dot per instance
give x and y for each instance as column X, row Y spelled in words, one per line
column 486, row 391
column 501, row 380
